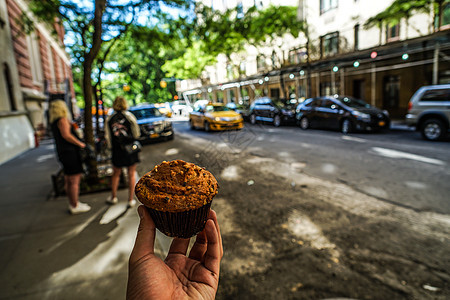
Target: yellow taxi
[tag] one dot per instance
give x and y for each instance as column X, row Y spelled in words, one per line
column 215, row 116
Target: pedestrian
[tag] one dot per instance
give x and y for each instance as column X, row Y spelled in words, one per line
column 68, row 149
column 121, row 130
column 179, row 276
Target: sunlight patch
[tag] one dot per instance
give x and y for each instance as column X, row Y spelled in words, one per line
column 172, row 151
column 43, row 158
column 329, row 168
column 230, row 173
column 302, row 227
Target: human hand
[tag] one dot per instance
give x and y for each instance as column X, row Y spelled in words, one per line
column 179, row 276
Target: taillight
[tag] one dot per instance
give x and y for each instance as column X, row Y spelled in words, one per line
column 409, row 105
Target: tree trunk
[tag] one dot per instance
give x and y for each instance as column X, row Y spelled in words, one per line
column 87, row 84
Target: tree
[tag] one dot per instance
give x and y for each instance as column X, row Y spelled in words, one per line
column 404, row 9
column 89, row 27
column 212, row 32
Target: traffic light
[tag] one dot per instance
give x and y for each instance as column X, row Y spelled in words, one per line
column 356, row 64
column 405, row 56
column 175, row 97
column 126, row 88
column 374, row 54
column 163, row 84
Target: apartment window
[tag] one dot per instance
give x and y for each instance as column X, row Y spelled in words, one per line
column 326, row 5
column 242, row 68
column 356, row 30
column 275, row 60
column 392, row 33
column 260, row 62
column 297, row 56
column 445, row 22
column 35, row 59
column 329, row 44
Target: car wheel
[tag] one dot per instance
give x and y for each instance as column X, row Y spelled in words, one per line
column 276, row 121
column 191, row 123
column 346, row 126
column 433, row 130
column 253, row 119
column 206, row 126
column 304, row 123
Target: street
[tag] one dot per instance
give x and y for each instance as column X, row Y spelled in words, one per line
column 303, row 214
column 316, row 214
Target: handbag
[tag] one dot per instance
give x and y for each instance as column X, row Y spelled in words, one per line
column 135, row 147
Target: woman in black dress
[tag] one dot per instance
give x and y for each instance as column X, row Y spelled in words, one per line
column 122, row 128
column 68, row 147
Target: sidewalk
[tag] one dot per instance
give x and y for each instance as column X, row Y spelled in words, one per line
column 46, row 253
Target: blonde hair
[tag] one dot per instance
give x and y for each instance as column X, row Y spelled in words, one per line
column 58, row 109
column 120, row 104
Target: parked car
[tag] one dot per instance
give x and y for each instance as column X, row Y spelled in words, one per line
column 270, row 110
column 243, row 110
column 341, row 112
column 429, row 111
column 153, row 124
column 215, row 116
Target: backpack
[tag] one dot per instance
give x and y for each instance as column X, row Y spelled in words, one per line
column 121, row 129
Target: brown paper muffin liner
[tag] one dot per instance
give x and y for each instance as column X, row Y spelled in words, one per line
column 181, row 224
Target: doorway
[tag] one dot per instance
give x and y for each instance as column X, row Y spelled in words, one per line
column 358, row 88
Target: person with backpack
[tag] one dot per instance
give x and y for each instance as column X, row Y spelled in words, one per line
column 121, row 131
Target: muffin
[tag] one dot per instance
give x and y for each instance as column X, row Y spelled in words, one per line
column 178, row 196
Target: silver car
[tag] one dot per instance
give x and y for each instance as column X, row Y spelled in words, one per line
column 429, row 111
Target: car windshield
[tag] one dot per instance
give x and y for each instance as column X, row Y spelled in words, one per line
column 145, row 113
column 211, row 108
column 354, row 102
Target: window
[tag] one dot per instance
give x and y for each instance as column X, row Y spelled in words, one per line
column 326, row 5
column 260, row 62
column 329, row 44
column 445, row 22
column 392, row 33
column 356, row 30
column 436, row 95
column 297, row 56
column 275, row 60
column 35, row 58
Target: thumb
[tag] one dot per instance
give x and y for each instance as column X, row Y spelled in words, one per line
column 145, row 239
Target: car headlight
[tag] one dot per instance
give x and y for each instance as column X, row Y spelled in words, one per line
column 361, row 116
column 217, row 119
column 386, row 113
column 167, row 123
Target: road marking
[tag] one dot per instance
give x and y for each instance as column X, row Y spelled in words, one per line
column 398, row 154
column 353, row 139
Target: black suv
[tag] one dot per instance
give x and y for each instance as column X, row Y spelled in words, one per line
column 270, row 110
column 341, row 112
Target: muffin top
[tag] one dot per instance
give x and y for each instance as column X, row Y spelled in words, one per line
column 176, row 186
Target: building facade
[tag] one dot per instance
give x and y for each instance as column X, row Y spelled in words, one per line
column 337, row 54
column 35, row 70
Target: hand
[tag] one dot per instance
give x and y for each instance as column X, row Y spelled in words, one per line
column 179, row 276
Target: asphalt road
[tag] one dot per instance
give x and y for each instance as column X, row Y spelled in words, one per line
column 396, row 166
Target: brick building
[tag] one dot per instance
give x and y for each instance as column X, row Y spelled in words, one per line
column 35, row 70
